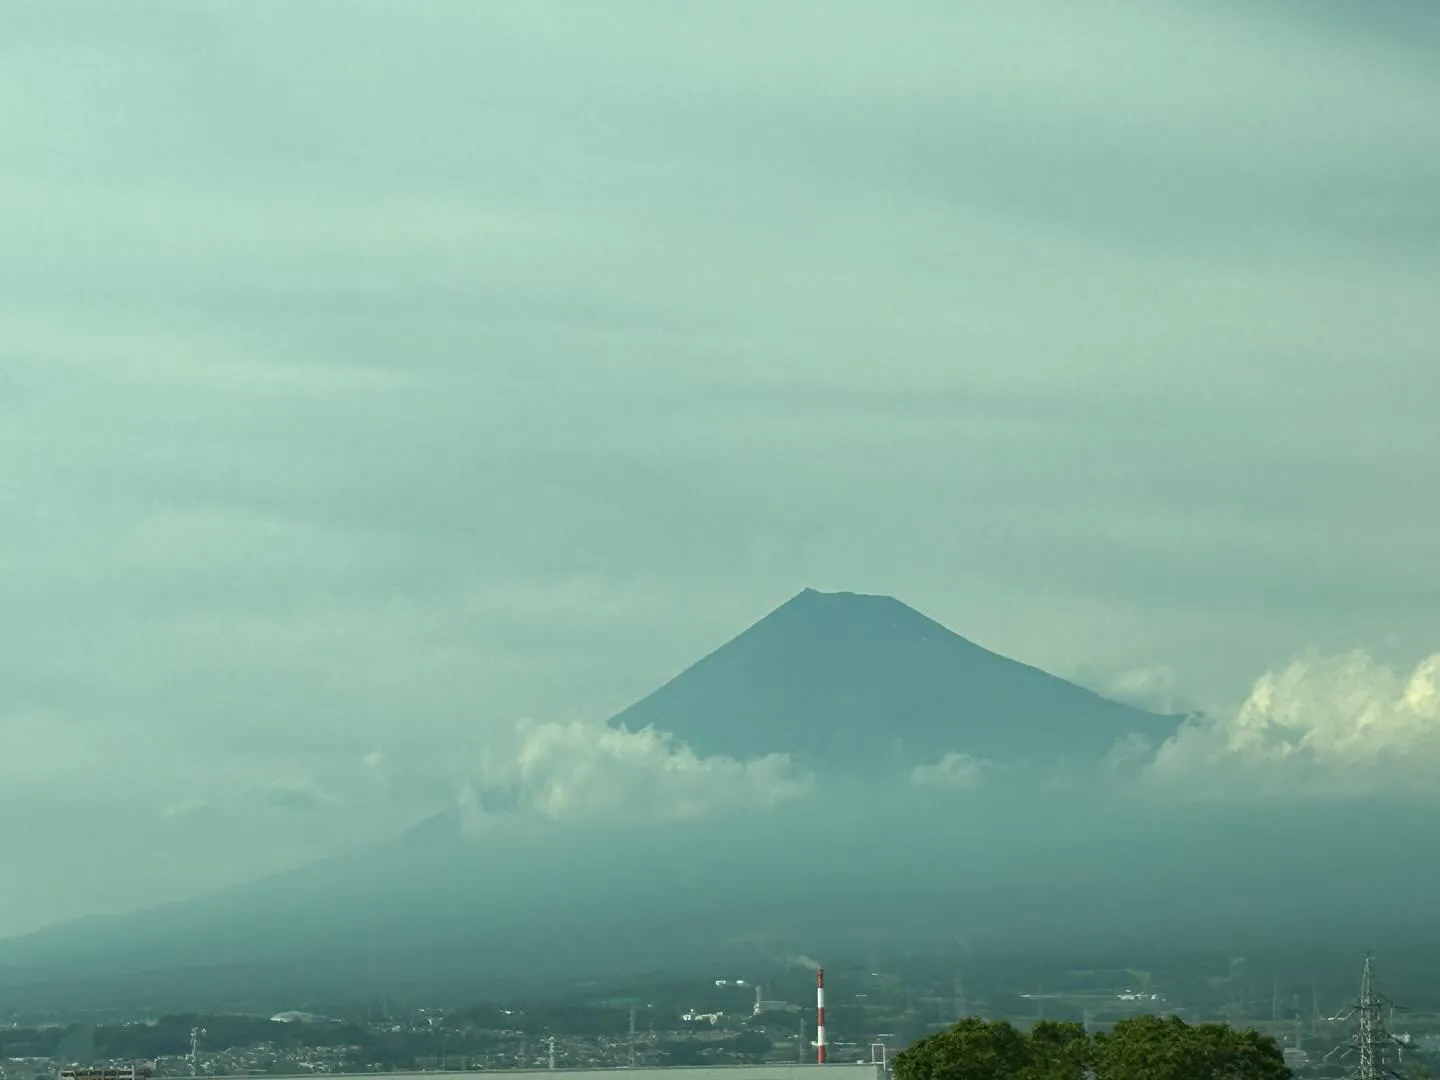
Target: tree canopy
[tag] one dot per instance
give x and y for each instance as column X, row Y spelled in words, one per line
column 1142, row 1048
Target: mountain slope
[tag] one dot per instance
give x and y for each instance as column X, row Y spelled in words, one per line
column 440, row 911
column 844, row 679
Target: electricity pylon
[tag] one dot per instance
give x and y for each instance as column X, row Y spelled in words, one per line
column 1373, row 1048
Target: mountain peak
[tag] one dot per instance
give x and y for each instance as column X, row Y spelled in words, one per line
column 841, row 596
column 842, row 600
column 844, row 678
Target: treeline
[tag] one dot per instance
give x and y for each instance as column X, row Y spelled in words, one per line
column 1141, row 1048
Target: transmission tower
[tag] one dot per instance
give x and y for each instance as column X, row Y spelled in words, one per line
column 1373, row 1048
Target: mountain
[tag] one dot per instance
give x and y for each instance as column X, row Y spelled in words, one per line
column 1027, row 861
column 846, row 680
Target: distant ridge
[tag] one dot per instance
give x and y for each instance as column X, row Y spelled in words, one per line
column 849, row 679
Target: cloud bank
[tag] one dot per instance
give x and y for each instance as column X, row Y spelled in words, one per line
column 582, row 772
column 955, row 770
column 319, row 418
column 1342, row 724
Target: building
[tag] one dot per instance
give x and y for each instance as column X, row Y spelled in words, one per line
column 107, row 1072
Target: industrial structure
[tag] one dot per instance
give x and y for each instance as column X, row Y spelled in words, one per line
column 819, row 1016
column 1375, row 1051
column 107, row 1072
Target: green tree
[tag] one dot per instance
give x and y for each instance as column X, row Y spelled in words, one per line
column 1059, row 1051
column 1143, row 1048
column 1156, row 1048
column 973, row 1049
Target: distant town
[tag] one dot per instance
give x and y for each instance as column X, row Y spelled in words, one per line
column 721, row 1019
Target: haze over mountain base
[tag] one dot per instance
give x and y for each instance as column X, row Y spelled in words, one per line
column 943, row 793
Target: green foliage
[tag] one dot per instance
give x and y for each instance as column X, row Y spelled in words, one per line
column 1059, row 1051
column 1143, row 1048
column 1151, row 1048
column 973, row 1049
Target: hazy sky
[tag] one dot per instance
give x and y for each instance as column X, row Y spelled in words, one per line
column 376, row 375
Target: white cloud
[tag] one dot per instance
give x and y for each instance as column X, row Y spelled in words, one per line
column 1341, row 724
column 1130, row 754
column 954, row 770
column 1154, row 688
column 583, row 771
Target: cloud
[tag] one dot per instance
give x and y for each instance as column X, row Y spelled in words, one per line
column 1338, row 724
column 306, row 402
column 41, row 749
column 954, row 770
column 558, row 772
column 298, row 798
column 191, row 811
column 1154, row 688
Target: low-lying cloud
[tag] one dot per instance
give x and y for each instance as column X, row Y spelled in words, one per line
column 1153, row 688
column 296, row 798
column 954, row 770
column 1344, row 724
column 567, row 772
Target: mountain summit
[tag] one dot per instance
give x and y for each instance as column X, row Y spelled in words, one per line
column 847, row 679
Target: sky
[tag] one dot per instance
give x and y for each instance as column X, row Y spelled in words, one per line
column 390, row 393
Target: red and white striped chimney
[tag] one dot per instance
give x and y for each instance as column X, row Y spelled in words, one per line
column 819, row 1016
